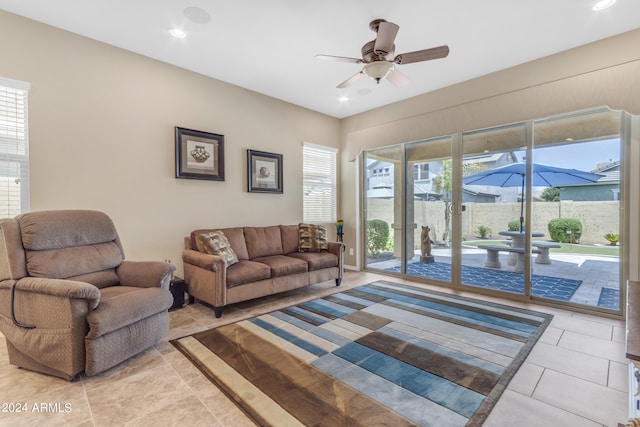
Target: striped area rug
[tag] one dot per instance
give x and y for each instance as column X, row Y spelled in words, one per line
column 381, row 354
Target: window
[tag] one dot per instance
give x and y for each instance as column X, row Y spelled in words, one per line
column 421, row 172
column 319, row 183
column 14, row 148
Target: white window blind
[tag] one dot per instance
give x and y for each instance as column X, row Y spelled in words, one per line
column 319, row 183
column 14, row 148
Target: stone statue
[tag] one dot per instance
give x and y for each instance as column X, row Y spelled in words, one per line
column 425, row 242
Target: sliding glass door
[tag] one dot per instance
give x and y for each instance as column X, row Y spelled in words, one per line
column 493, row 169
column 579, row 210
column 384, row 208
column 428, row 216
column 531, row 209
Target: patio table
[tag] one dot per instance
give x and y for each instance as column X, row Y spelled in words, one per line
column 517, row 241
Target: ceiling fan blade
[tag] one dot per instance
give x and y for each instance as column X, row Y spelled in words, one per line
column 339, row 59
column 386, row 36
column 351, row 80
column 397, row 78
column 422, row 55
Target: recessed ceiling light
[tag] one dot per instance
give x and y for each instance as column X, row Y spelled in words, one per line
column 177, row 33
column 603, row 4
column 343, row 99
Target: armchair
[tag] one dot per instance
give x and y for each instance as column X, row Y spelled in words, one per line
column 69, row 302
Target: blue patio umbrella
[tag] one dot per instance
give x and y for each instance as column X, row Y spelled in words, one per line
column 513, row 175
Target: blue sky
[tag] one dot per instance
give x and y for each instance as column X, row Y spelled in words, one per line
column 582, row 156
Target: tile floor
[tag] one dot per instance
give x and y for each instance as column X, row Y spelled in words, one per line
column 576, row 375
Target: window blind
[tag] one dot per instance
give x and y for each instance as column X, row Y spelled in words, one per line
column 319, row 183
column 14, row 148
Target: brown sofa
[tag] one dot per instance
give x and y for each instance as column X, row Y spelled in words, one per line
column 69, row 302
column 269, row 261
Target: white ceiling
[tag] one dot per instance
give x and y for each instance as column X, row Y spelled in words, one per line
column 268, row 46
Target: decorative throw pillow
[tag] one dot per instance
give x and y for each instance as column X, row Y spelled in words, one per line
column 216, row 243
column 312, row 238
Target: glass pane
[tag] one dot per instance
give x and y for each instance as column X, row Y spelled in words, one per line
column 384, row 207
column 493, row 253
column 428, row 209
column 578, row 208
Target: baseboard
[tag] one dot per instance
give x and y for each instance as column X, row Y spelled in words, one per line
column 351, row 267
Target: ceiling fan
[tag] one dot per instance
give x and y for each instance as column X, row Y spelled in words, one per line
column 378, row 56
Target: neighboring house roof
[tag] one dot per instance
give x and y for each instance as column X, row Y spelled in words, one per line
column 610, row 170
column 610, row 177
column 607, row 166
column 484, row 158
column 386, row 192
column 478, row 193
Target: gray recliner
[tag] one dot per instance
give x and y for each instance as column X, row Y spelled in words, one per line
column 69, row 302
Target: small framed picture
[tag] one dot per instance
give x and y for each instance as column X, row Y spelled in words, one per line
column 264, row 172
column 199, row 155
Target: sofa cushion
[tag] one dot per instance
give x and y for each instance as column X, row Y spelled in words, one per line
column 289, row 235
column 122, row 306
column 312, row 238
column 216, row 243
column 62, row 244
column 282, row 265
column 247, row 272
column 263, row 241
column 317, row 260
column 74, row 261
column 44, row 230
column 234, row 235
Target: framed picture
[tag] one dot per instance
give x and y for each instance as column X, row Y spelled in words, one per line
column 199, row 155
column 264, row 172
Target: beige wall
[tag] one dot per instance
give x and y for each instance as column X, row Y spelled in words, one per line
column 102, row 137
column 102, row 119
column 604, row 73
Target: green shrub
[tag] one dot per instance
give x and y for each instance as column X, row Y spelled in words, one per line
column 558, row 230
column 377, row 236
column 483, row 231
column 390, row 245
column 515, row 225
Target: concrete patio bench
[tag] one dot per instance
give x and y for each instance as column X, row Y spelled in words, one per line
column 493, row 256
column 544, row 247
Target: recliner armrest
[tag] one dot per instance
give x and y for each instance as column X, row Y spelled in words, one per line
column 145, row 274
column 42, row 294
column 57, row 287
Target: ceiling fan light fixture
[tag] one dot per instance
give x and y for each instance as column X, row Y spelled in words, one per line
column 177, row 33
column 603, row 4
column 378, row 70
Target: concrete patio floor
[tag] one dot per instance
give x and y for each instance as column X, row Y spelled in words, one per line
column 596, row 272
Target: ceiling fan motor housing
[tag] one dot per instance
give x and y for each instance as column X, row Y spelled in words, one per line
column 370, row 55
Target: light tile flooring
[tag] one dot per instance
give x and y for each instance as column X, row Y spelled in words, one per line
column 576, row 375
